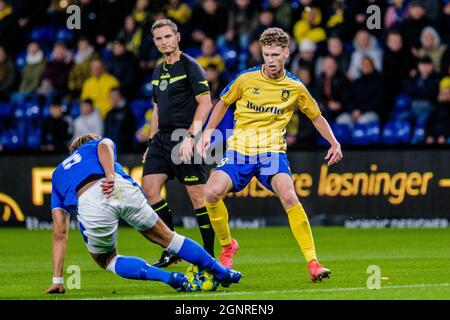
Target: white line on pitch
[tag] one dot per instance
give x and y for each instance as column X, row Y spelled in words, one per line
column 244, row 293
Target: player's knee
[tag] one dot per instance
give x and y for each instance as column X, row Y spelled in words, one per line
column 289, row 199
column 213, row 194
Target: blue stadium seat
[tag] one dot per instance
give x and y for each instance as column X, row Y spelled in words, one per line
column 43, row 35
column 342, row 132
column 74, row 110
column 32, row 112
column 64, row 35
column 193, row 51
column 10, row 140
column 6, row 110
column 418, row 135
column 368, row 133
column 147, row 88
column 402, row 103
column 139, row 108
column 396, row 132
column 34, row 139
column 21, row 60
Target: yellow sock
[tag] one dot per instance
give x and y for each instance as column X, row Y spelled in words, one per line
column 218, row 215
column 298, row 220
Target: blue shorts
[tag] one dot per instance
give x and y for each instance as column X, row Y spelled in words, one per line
column 242, row 168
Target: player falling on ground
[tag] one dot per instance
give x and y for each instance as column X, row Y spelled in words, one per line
column 181, row 98
column 90, row 181
column 265, row 99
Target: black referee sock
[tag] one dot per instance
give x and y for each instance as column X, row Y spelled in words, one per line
column 206, row 229
column 164, row 212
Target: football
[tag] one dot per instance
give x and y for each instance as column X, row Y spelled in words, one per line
column 201, row 280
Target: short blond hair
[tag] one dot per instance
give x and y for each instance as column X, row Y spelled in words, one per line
column 78, row 142
column 164, row 23
column 274, row 37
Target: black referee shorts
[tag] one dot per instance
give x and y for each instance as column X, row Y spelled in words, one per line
column 158, row 160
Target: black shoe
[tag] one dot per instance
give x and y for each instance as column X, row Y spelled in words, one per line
column 166, row 260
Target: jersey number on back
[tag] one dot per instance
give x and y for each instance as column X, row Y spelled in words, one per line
column 72, row 160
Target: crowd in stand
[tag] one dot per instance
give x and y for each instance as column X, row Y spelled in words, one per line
column 388, row 85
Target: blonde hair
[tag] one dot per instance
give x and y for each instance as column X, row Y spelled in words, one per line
column 78, row 142
column 274, row 37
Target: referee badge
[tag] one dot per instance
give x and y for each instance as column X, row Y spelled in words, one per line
column 285, row 95
column 163, row 85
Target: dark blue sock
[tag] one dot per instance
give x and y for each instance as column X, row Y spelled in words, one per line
column 137, row 268
column 192, row 252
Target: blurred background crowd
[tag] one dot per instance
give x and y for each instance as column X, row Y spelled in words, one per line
column 383, row 86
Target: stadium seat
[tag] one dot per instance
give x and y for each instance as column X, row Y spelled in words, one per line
column 140, row 107
column 10, row 140
column 21, row 60
column 418, row 135
column 342, row 132
column 43, row 35
column 64, row 35
column 6, row 110
column 74, row 110
column 34, row 139
column 396, row 132
column 367, row 133
column 193, row 52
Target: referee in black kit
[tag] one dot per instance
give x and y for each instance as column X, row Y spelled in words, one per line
column 181, row 98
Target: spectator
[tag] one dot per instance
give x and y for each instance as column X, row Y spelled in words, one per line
column 242, row 19
column 179, row 12
column 131, row 34
column 215, row 81
column 122, row 65
column 143, row 133
column 55, row 129
column 81, row 70
column 142, row 12
column 98, row 87
column 398, row 62
column 432, row 47
column 35, row 63
column 356, row 16
column 209, row 56
column 396, row 13
column 411, row 28
column 309, row 26
column 209, row 20
column 255, row 54
column 332, row 87
column 305, row 57
column 365, row 45
column 300, row 131
column 9, row 29
column 282, row 13
column 366, row 99
column 89, row 120
column 55, row 75
column 8, row 75
column 120, row 123
column 445, row 22
column 265, row 20
column 336, row 50
column 438, row 125
column 423, row 90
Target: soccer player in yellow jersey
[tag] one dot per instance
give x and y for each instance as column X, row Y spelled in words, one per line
column 265, row 97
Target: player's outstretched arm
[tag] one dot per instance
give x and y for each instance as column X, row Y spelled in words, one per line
column 216, row 116
column 106, row 158
column 334, row 154
column 59, row 245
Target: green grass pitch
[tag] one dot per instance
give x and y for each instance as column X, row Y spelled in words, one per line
column 414, row 264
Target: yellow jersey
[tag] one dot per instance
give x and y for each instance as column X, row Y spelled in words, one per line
column 264, row 107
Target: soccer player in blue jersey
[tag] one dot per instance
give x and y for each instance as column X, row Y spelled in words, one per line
column 91, row 182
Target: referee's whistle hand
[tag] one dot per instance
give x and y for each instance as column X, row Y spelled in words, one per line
column 187, row 149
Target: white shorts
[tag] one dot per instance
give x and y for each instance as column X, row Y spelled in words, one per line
column 98, row 216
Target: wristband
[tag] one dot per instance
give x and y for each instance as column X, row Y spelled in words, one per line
column 58, row 280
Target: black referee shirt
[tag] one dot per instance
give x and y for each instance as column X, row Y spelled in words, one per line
column 175, row 87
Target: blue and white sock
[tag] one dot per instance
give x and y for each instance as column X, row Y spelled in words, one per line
column 192, row 252
column 136, row 268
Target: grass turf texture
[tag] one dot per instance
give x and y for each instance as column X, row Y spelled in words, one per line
column 415, row 264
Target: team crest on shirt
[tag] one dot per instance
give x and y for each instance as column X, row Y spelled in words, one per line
column 285, row 95
column 255, row 90
column 163, row 85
